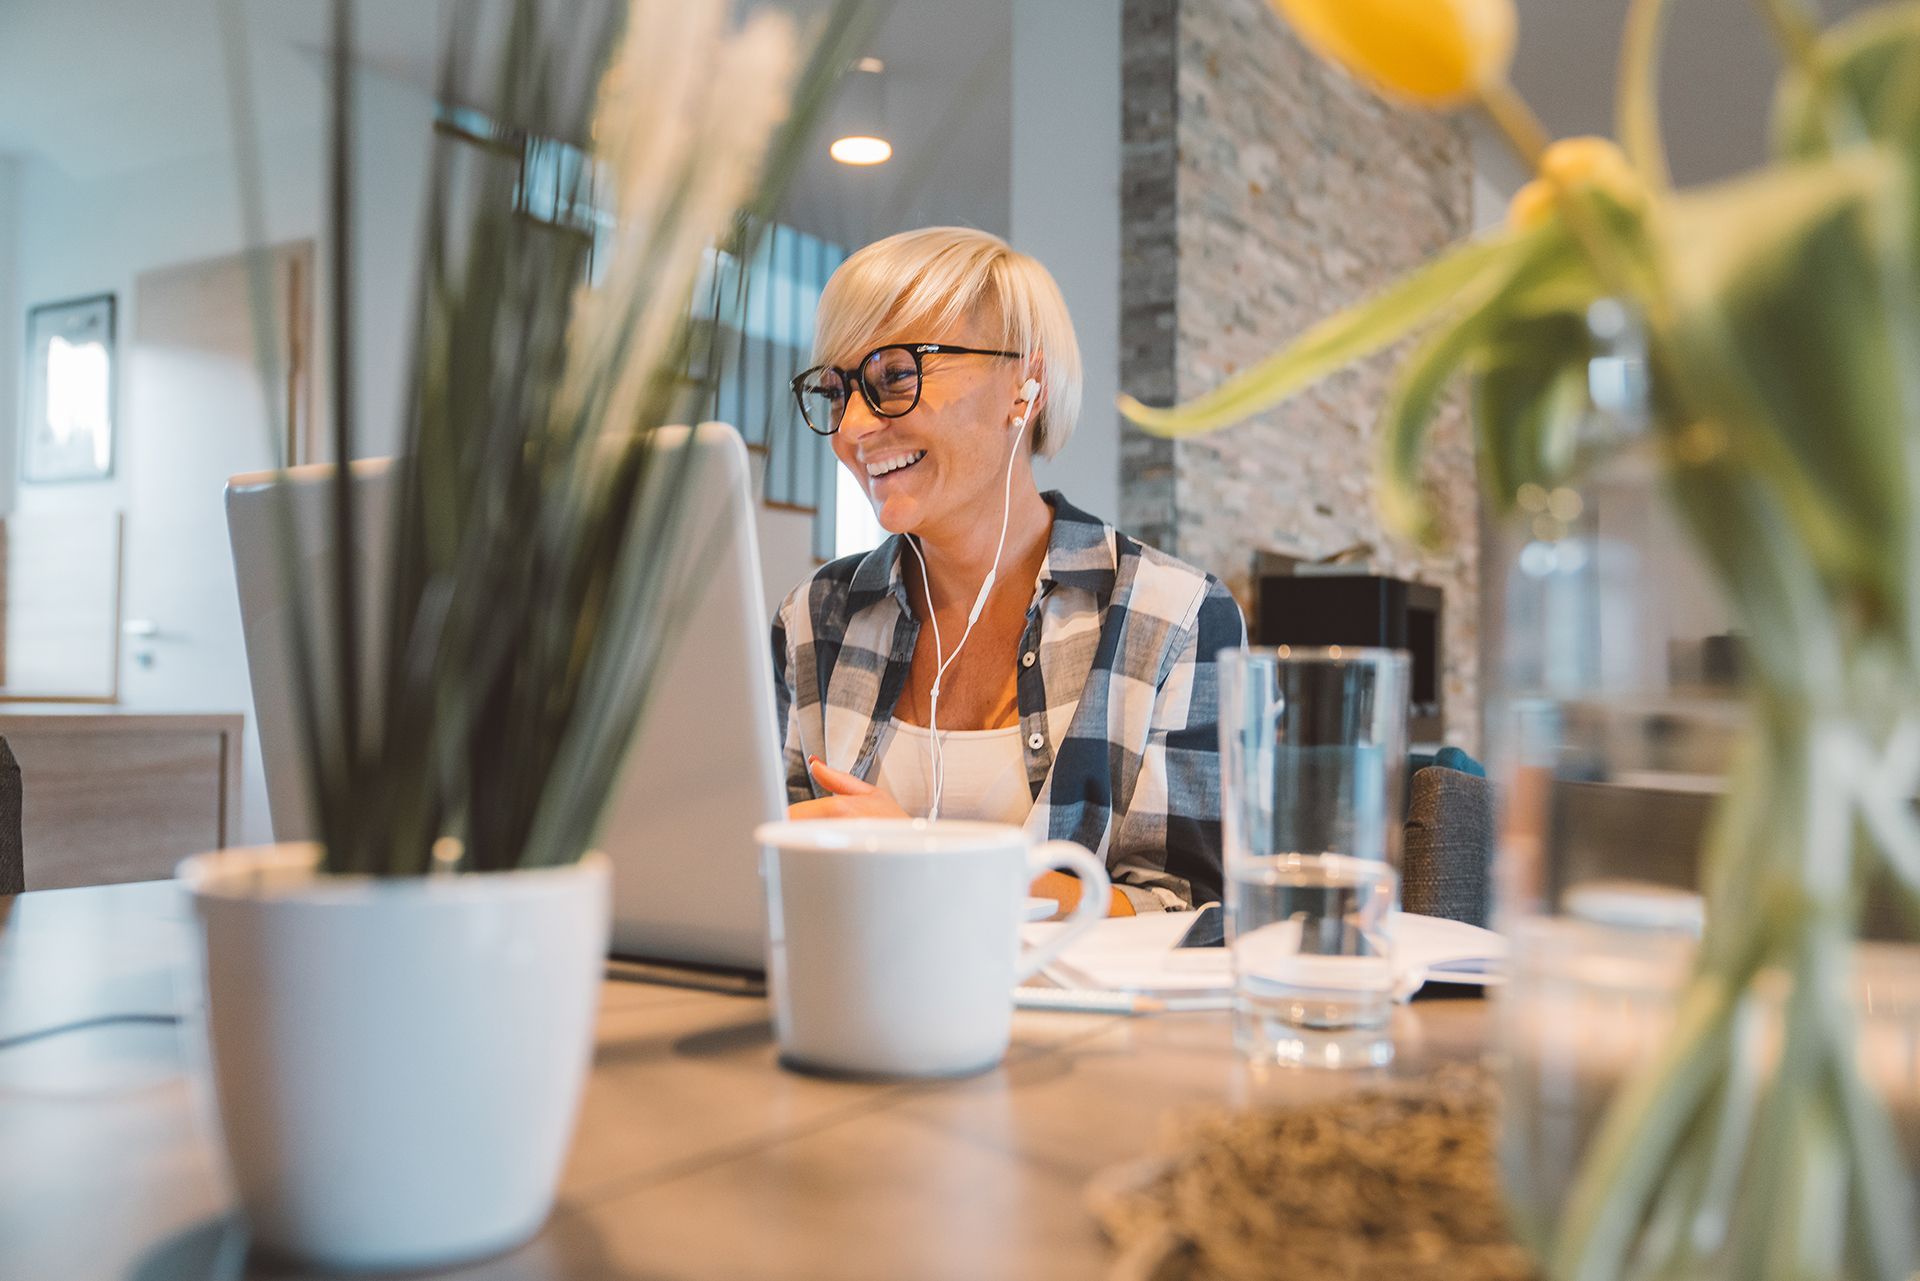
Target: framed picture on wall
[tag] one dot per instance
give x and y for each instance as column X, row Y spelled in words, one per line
column 68, row 429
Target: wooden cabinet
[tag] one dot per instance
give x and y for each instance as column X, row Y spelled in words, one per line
column 110, row 795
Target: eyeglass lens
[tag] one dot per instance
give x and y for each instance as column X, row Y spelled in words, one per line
column 892, row 379
column 823, row 397
column 892, row 383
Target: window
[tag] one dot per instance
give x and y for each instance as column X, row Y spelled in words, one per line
column 856, row 528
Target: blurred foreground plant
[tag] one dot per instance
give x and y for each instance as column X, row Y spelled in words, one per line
column 1781, row 316
column 539, row 554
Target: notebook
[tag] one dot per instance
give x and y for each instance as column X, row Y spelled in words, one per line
column 1137, row 954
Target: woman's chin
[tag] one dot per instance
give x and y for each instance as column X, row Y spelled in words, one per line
column 897, row 514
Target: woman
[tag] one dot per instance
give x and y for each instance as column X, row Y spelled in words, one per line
column 1002, row 655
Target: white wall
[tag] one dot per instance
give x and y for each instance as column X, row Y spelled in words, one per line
column 80, row 236
column 786, row 541
column 1065, row 211
column 97, row 234
column 10, row 334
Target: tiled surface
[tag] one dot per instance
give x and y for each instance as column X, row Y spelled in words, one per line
column 1260, row 193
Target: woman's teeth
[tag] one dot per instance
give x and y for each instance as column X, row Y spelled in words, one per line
column 876, row 470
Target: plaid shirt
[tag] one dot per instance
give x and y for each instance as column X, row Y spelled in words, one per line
column 1117, row 692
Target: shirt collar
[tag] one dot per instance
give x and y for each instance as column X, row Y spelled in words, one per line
column 878, row 574
column 1079, row 554
column 1080, row 549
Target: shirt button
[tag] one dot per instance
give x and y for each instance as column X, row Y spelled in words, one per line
column 1026, row 659
column 1036, row 741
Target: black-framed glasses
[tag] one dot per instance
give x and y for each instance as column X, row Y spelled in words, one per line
column 889, row 379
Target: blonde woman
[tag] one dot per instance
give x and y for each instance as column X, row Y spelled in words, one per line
column 1002, row 655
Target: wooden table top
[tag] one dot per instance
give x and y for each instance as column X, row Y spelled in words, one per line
column 696, row 1154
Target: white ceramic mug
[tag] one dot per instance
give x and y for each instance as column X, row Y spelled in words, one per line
column 894, row 944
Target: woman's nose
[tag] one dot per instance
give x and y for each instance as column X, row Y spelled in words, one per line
column 858, row 420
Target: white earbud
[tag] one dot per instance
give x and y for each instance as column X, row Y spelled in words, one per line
column 1028, row 390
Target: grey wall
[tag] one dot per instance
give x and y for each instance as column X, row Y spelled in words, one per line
column 1065, row 211
column 1716, row 80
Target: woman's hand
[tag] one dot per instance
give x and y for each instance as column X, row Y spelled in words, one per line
column 852, row 797
column 1065, row 890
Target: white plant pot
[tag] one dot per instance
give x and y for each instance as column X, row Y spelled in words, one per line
column 398, row 1063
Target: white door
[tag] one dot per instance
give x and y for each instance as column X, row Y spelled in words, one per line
column 195, row 415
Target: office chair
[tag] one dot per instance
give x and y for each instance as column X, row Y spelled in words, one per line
column 1446, row 851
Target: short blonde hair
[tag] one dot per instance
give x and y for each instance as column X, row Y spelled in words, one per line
column 935, row 276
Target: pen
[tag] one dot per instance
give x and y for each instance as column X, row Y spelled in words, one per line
column 1088, row 1001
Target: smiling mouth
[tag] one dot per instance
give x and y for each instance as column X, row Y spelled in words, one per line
column 892, row 465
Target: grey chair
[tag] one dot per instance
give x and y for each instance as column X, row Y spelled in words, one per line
column 1446, row 852
column 13, row 877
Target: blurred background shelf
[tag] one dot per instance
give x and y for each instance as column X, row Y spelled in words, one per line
column 111, row 795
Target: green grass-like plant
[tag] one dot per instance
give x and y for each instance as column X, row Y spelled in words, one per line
column 540, row 549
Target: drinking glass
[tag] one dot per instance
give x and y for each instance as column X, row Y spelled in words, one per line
column 1313, row 746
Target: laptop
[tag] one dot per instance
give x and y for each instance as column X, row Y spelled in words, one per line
column 705, row 767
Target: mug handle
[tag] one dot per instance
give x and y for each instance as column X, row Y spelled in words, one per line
column 1065, row 856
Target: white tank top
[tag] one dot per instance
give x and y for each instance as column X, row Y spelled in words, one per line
column 986, row 773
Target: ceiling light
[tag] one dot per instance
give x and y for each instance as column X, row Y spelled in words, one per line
column 861, row 150
column 858, row 136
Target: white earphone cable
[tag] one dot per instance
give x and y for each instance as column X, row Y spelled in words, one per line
column 943, row 660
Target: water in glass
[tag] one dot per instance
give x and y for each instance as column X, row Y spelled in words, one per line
column 1312, row 958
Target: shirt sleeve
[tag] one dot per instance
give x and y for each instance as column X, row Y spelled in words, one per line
column 1167, row 854
column 793, row 755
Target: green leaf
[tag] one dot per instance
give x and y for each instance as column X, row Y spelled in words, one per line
column 1529, row 394
column 1521, row 315
column 1341, row 339
column 1782, row 334
column 1637, row 110
column 1742, row 529
column 1403, row 432
column 1869, row 77
column 541, row 556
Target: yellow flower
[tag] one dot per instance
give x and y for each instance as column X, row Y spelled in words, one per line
column 1531, row 205
column 1593, row 162
column 1434, row 53
column 1571, row 163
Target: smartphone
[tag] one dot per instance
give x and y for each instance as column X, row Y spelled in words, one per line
column 1209, row 929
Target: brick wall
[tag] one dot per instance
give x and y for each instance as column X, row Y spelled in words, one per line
column 1261, row 191
column 1149, row 260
